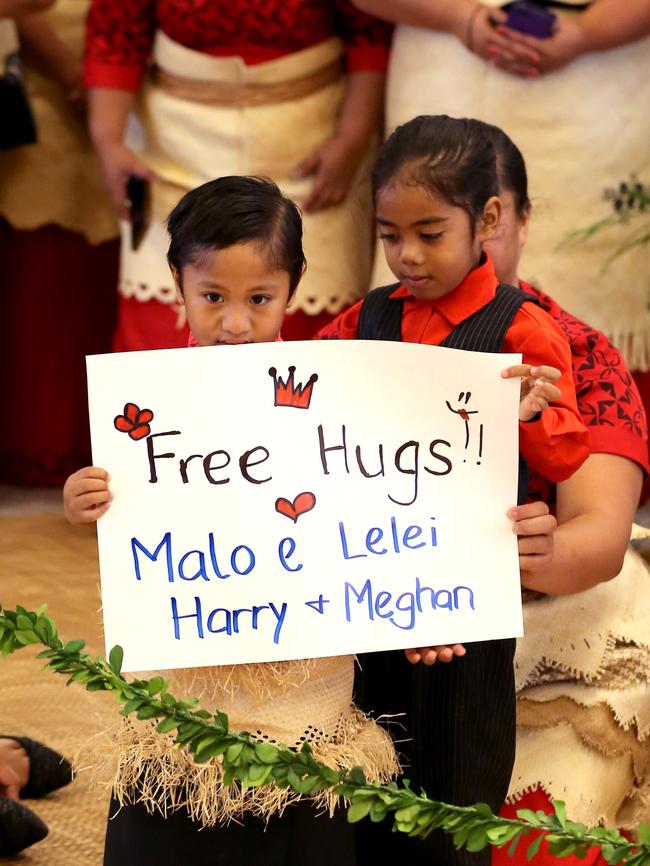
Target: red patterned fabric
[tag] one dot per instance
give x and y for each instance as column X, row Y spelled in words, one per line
column 608, row 398
column 557, row 444
column 120, row 35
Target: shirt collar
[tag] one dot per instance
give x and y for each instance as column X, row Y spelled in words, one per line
column 476, row 290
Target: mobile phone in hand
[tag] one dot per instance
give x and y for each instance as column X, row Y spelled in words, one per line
column 138, row 194
column 530, row 18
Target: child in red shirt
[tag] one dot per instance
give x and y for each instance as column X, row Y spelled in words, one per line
column 435, row 189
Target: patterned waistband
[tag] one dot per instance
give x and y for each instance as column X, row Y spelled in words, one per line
column 239, row 95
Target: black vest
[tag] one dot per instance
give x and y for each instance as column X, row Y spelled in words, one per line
column 380, row 318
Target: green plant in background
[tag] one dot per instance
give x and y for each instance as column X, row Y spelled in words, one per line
column 253, row 763
column 631, row 206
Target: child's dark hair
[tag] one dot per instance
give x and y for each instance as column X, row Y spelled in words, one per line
column 511, row 167
column 236, row 210
column 450, row 157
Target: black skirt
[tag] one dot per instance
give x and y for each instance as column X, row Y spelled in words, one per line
column 455, row 727
column 299, row 837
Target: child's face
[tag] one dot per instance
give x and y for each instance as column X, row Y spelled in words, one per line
column 233, row 296
column 505, row 247
column 428, row 243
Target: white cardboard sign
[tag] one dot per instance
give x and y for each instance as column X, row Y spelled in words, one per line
column 356, row 504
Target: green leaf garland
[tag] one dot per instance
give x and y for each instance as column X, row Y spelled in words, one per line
column 254, row 763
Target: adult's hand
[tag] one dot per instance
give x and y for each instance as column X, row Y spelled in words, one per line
column 566, row 44
column 483, row 34
column 333, row 165
column 118, row 162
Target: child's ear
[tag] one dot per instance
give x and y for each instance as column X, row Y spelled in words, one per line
column 178, row 284
column 489, row 221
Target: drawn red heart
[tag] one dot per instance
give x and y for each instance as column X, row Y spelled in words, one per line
column 303, row 503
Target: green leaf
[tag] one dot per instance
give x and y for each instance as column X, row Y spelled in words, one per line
column 280, row 772
column 483, row 810
column 209, row 750
column 293, row 779
column 533, row 848
column 154, row 685
column 73, row 647
column 147, row 712
column 358, row 810
column 26, row 636
column 24, row 622
column 266, row 753
column 644, row 834
column 477, row 840
column 233, row 752
column 560, row 811
column 115, row 659
column 132, row 705
column 259, row 773
column 514, row 843
column 229, row 776
column 166, row 725
column 529, row 816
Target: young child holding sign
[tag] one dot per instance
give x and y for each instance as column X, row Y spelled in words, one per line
column 236, row 257
column 435, row 188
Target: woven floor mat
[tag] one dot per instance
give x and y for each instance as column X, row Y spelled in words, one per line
column 43, row 559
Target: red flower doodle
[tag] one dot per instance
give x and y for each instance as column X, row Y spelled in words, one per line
column 134, row 421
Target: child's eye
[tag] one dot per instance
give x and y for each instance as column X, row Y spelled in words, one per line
column 431, row 237
column 387, row 236
column 258, row 300
column 213, row 297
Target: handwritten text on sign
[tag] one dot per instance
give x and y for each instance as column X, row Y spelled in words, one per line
column 290, row 500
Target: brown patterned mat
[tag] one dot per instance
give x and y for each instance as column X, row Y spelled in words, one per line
column 43, row 559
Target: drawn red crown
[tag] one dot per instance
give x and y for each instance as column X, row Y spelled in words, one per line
column 287, row 393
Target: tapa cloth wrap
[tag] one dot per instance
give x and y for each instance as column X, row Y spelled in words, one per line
column 188, row 143
column 582, row 129
column 583, row 705
column 285, row 703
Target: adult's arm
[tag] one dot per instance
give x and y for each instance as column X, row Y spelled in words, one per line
column 335, row 162
column 595, row 510
column 108, row 112
column 44, row 49
column 471, row 22
column 17, row 8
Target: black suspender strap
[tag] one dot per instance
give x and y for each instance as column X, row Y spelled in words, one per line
column 485, row 330
column 380, row 317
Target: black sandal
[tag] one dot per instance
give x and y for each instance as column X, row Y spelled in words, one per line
column 48, row 770
column 19, row 827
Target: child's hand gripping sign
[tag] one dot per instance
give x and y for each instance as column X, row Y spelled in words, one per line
column 290, row 500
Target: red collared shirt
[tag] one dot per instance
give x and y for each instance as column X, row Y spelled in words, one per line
column 558, row 443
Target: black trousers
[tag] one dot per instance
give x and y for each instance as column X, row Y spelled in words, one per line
column 456, row 733
column 299, row 837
